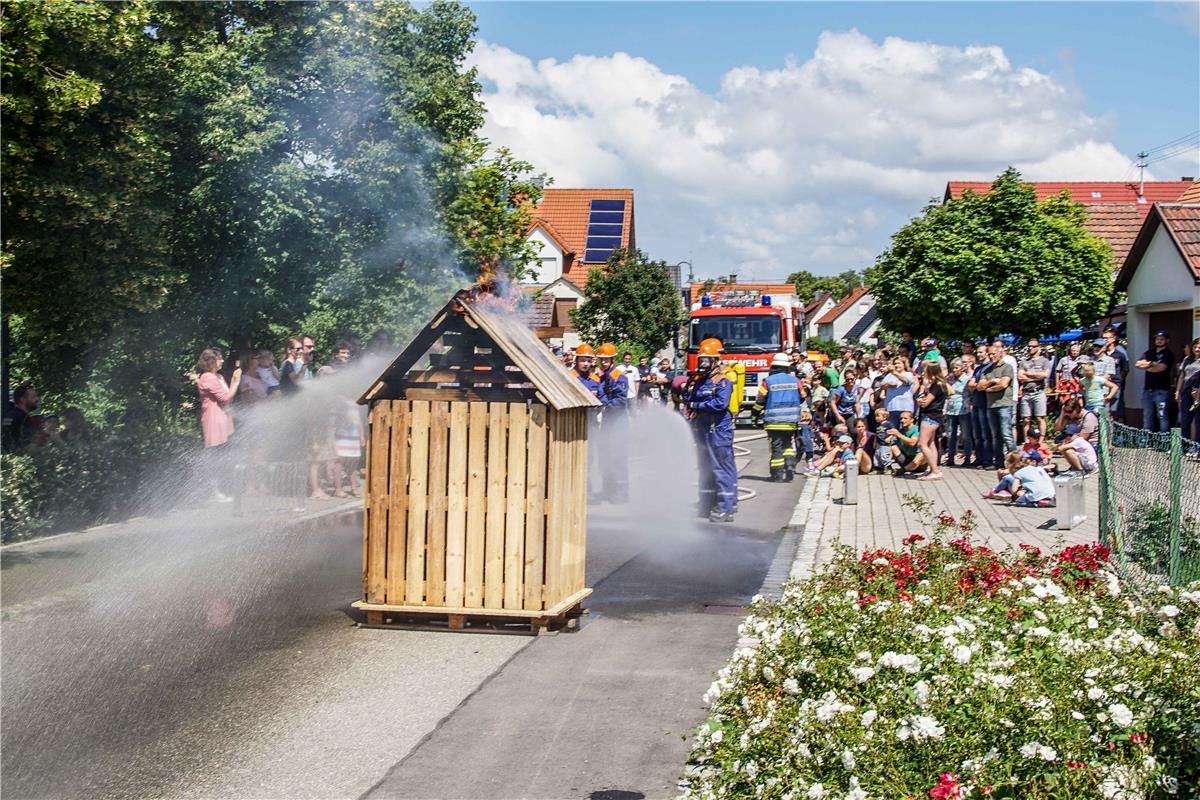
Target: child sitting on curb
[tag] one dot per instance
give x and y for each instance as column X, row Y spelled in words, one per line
column 1026, row 482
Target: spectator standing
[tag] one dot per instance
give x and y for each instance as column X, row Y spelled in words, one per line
column 1098, row 390
column 1187, row 385
column 644, row 379
column 844, row 401
column 908, row 350
column 1120, row 356
column 958, row 412
column 22, row 430
column 74, row 426
column 981, row 427
column 297, row 365
column 216, row 426
column 1000, row 386
column 898, row 390
column 267, row 372
column 932, row 400
column 1157, row 362
column 1033, row 373
column 253, row 388
column 633, row 378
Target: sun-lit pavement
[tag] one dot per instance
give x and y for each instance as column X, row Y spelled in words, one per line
column 880, row 518
column 204, row 655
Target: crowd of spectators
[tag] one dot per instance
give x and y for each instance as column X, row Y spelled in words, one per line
column 329, row 435
column 913, row 409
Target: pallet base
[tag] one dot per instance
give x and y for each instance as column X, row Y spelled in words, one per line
column 563, row 616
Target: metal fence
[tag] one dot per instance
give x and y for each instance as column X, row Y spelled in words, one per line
column 1150, row 504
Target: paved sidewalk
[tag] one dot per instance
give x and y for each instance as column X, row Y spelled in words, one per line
column 881, row 520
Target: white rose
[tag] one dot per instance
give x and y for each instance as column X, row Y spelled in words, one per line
column 962, row 654
column 1121, row 714
column 1167, row 612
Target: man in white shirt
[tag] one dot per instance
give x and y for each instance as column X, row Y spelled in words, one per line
column 632, row 376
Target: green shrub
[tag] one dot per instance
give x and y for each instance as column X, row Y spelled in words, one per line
column 947, row 670
column 77, row 484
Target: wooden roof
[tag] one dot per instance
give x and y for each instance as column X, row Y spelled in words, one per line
column 527, row 369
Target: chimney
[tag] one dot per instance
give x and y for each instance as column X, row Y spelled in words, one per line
column 733, row 278
column 1188, row 178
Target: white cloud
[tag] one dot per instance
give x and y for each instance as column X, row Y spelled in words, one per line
column 812, row 164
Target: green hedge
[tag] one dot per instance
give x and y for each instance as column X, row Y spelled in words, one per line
column 72, row 485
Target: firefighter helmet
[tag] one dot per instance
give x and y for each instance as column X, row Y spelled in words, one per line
column 781, row 360
column 710, row 347
column 584, row 350
column 608, row 350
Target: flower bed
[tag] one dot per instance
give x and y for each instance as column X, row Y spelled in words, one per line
column 948, row 671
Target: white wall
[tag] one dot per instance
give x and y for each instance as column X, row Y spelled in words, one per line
column 813, row 330
column 1162, row 282
column 551, row 268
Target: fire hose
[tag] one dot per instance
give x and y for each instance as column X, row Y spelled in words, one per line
column 746, row 494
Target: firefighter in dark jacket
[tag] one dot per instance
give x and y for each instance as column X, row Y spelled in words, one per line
column 777, row 408
column 613, row 443
column 708, row 394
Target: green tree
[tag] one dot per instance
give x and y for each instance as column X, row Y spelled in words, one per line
column 808, row 285
column 180, row 175
column 630, row 301
column 990, row 263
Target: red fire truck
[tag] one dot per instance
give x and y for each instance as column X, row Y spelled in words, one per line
column 752, row 326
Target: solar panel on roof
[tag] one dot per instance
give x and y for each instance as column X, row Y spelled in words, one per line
column 606, row 227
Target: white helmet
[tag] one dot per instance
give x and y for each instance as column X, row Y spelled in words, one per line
column 781, row 360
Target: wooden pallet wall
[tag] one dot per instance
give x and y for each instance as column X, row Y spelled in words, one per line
column 474, row 505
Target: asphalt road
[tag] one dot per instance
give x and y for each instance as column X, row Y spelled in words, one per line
column 201, row 655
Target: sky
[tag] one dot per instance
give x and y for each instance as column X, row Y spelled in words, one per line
column 764, row 138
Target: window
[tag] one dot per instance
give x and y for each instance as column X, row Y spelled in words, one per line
column 747, row 333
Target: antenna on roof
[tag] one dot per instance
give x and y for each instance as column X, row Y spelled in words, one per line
column 1141, row 165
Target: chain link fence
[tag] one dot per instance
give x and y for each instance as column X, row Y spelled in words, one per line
column 1150, row 504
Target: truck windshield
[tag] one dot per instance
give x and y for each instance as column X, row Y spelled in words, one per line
column 747, row 333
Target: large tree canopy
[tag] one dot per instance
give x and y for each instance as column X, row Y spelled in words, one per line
column 631, row 302
column 178, row 175
column 990, row 263
column 808, row 285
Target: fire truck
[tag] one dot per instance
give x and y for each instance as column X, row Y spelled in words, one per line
column 752, row 326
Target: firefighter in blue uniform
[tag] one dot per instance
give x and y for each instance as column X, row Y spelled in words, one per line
column 777, row 408
column 614, row 424
column 584, row 361
column 708, row 394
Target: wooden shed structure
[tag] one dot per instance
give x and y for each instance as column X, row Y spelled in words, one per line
column 476, row 490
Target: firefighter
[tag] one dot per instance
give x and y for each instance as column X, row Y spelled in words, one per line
column 777, row 408
column 614, row 426
column 708, row 394
column 584, row 359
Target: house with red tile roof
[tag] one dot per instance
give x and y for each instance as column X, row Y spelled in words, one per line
column 852, row 319
column 577, row 229
column 1161, row 278
column 821, row 303
column 1115, row 209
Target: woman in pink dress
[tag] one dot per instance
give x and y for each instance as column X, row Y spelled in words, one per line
column 215, row 423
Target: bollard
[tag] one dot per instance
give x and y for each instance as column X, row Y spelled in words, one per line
column 1069, row 499
column 850, row 476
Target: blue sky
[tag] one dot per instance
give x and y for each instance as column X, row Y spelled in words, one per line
column 1119, row 76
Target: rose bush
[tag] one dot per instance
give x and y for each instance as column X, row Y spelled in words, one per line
column 947, row 670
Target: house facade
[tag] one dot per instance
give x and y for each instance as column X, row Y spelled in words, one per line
column 853, row 319
column 1161, row 277
column 574, row 230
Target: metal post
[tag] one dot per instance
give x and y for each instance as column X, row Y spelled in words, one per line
column 1176, row 501
column 850, row 476
column 1105, row 478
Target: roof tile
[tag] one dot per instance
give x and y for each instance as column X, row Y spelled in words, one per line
column 566, row 213
column 1116, row 223
column 1183, row 221
column 1090, row 192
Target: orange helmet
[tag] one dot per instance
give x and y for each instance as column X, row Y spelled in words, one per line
column 710, row 347
column 584, row 350
column 608, row 350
